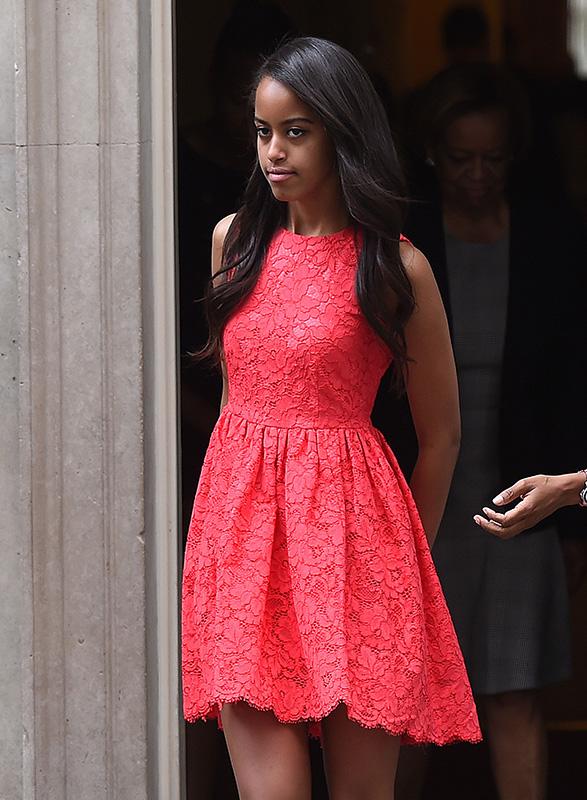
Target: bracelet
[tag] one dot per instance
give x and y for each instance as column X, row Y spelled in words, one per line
column 583, row 492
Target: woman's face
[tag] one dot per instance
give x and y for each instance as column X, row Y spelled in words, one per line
column 472, row 161
column 294, row 150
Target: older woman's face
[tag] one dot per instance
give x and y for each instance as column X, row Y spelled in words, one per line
column 472, row 161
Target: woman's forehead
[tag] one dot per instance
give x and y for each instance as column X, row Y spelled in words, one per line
column 487, row 128
column 274, row 101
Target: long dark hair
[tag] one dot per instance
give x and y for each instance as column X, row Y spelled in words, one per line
column 332, row 83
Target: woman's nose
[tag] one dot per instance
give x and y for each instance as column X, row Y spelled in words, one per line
column 275, row 151
column 477, row 169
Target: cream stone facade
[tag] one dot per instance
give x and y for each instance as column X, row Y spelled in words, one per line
column 88, row 489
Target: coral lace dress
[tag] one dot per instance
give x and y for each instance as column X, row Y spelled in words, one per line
column 308, row 580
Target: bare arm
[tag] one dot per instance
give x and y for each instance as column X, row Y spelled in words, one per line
column 432, row 393
column 541, row 496
column 218, row 237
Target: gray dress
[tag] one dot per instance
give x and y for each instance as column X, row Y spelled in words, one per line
column 508, row 599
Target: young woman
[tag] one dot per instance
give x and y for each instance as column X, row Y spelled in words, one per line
column 309, row 596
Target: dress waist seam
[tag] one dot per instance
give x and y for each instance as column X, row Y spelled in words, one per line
column 367, row 426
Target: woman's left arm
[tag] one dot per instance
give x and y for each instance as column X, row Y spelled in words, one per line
column 432, row 393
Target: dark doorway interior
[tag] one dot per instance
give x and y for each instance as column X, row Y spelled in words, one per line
column 217, row 47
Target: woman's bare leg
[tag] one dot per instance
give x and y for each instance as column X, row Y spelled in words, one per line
column 270, row 759
column 360, row 763
column 517, row 741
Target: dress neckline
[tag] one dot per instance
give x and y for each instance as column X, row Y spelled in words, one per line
column 300, row 237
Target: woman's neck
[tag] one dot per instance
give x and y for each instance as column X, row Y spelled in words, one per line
column 472, row 225
column 316, row 218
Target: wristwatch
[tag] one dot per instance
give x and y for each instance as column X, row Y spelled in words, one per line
column 583, row 492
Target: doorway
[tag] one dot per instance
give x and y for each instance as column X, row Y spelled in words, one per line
column 216, row 48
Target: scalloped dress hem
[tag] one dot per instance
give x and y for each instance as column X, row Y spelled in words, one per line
column 212, row 713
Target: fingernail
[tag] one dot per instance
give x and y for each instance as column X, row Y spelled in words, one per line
column 498, row 499
column 477, row 519
column 486, row 510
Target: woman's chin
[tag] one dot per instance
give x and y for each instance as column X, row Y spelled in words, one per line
column 281, row 193
column 479, row 199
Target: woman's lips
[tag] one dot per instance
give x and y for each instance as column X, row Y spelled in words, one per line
column 279, row 177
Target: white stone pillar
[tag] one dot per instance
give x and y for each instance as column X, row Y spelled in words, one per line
column 79, row 176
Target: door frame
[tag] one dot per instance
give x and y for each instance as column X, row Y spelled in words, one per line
column 166, row 773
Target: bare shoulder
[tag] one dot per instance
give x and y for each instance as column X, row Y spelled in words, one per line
column 218, row 237
column 417, row 267
column 221, row 230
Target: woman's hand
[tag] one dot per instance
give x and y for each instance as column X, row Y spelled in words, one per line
column 541, row 495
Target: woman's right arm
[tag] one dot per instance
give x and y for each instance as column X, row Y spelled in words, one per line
column 218, row 237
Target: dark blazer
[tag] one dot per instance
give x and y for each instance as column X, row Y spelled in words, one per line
column 543, row 399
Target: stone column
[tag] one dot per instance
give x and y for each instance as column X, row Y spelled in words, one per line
column 78, row 235
column 12, row 517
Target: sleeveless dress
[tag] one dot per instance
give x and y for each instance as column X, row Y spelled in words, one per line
column 308, row 580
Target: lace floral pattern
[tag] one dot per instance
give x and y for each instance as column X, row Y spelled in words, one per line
column 308, row 580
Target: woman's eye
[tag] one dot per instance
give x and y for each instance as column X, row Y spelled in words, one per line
column 262, row 133
column 295, row 133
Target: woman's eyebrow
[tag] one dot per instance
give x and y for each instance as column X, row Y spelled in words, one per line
column 289, row 121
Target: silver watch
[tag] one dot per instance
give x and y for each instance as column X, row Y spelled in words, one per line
column 583, row 492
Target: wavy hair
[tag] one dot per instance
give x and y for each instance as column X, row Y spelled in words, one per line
column 329, row 80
